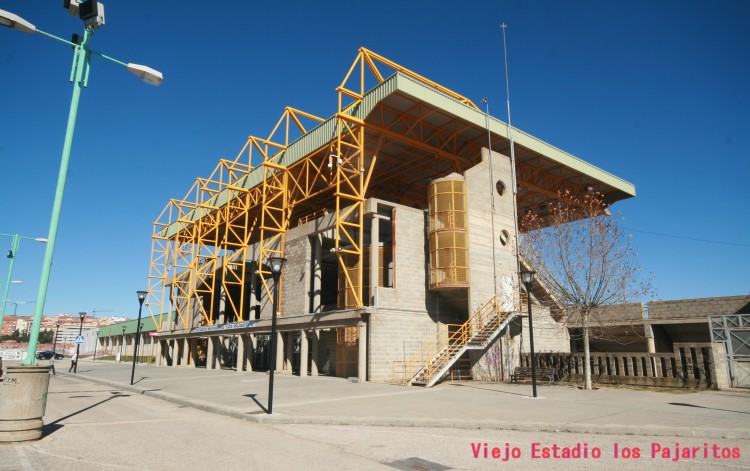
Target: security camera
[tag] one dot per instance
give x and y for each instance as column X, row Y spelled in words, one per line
column 72, row 6
column 92, row 13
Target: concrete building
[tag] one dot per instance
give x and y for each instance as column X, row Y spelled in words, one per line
column 665, row 325
column 397, row 218
column 119, row 338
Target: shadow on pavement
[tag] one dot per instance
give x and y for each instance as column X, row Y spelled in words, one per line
column 52, row 427
column 490, row 389
column 704, row 407
column 252, row 396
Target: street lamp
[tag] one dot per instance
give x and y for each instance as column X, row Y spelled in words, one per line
column 141, row 298
column 82, row 315
column 277, row 264
column 54, row 347
column 93, row 16
column 13, row 252
column 527, row 278
column 96, row 344
column 16, row 303
column 121, row 343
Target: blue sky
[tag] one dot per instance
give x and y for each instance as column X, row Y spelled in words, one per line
column 655, row 92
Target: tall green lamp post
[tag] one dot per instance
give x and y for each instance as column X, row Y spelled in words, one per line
column 12, row 253
column 92, row 13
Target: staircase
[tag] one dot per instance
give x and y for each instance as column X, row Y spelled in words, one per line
column 435, row 358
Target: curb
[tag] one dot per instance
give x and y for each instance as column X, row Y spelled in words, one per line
column 650, row 431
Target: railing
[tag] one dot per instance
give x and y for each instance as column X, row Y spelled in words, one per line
column 689, row 365
column 434, row 354
column 309, row 217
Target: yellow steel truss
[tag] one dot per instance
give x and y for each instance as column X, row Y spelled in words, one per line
column 214, row 234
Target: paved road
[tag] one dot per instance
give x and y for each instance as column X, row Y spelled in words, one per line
column 92, row 426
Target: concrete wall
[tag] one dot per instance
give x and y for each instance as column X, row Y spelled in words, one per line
column 409, row 290
column 296, row 284
column 549, row 336
column 395, row 335
column 481, row 192
column 698, row 307
column 618, row 313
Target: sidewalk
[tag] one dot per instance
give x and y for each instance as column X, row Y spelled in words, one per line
column 327, row 400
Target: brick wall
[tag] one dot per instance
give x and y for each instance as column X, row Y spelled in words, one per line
column 698, row 307
column 395, row 335
column 296, row 286
column 549, row 336
column 410, row 263
column 615, row 313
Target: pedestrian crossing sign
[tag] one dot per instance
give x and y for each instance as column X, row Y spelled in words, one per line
column 79, row 339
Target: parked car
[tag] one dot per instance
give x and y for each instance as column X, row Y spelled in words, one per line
column 47, row 354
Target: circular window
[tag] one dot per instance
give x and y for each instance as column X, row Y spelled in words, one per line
column 504, row 237
column 500, row 186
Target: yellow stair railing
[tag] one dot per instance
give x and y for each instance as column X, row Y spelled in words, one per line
column 436, row 355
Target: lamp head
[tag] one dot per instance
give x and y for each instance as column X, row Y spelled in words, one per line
column 147, row 74
column 141, row 296
column 527, row 278
column 82, row 315
column 16, row 22
column 277, row 264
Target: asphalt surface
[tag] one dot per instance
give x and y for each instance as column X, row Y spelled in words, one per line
column 93, row 427
column 469, row 405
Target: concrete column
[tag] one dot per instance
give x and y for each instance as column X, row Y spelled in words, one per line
column 159, row 352
column 250, row 351
column 240, row 353
column 289, row 352
column 279, row 351
column 719, row 367
column 218, row 351
column 186, row 351
column 194, row 351
column 211, row 354
column 253, row 299
column 175, row 352
column 317, row 274
column 314, row 364
column 362, row 354
column 649, row 333
column 374, row 260
column 222, row 306
column 303, row 354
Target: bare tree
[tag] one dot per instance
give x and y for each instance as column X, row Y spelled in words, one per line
column 584, row 258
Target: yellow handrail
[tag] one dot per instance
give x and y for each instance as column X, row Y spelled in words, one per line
column 436, row 352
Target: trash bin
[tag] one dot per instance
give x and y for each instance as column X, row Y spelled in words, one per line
column 23, row 400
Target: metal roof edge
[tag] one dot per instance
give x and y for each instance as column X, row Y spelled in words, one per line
column 324, row 133
column 421, row 91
